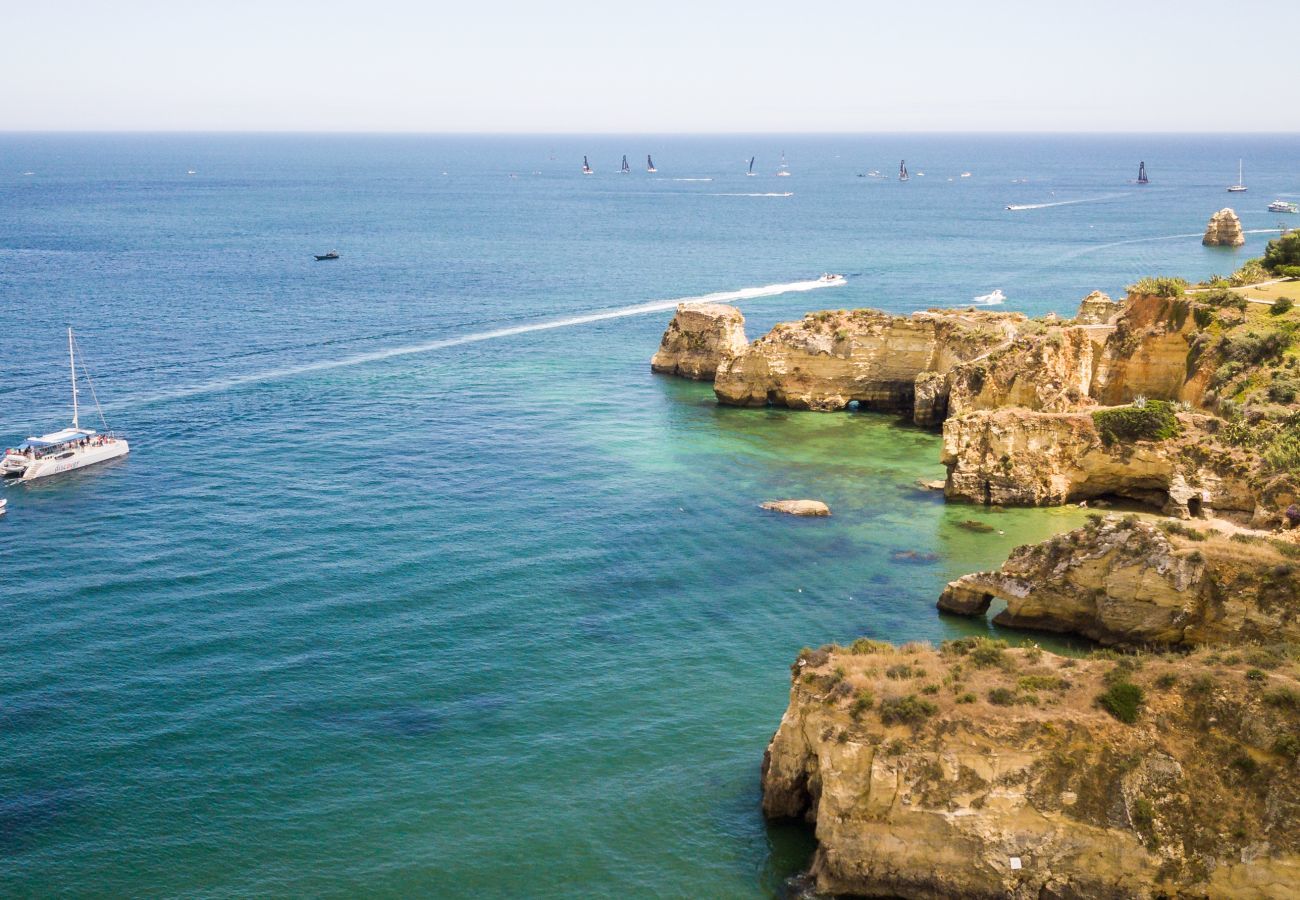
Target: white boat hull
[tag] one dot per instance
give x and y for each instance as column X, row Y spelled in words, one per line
column 58, row 463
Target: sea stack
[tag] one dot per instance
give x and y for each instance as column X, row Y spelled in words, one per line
column 1224, row 230
column 700, row 337
column 1096, row 309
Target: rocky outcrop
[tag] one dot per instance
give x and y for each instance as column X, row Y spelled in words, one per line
column 1051, row 371
column 1224, row 230
column 832, row 359
column 981, row 772
column 1127, row 582
column 797, row 507
column 1016, row 457
column 699, row 339
column 1096, row 309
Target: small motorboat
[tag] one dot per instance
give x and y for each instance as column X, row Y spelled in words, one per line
column 1283, row 206
column 991, row 299
column 830, row 278
column 333, row 254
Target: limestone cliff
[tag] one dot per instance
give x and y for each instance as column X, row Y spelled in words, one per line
column 1129, row 582
column 699, row 339
column 1096, row 309
column 831, row 359
column 1223, row 230
column 982, row 772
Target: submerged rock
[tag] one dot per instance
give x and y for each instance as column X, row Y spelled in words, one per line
column 1224, row 230
column 798, row 507
column 700, row 337
column 986, row 772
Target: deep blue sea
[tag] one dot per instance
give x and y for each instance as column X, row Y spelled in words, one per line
column 400, row 593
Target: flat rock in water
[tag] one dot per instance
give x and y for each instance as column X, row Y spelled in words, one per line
column 798, row 507
column 928, row 485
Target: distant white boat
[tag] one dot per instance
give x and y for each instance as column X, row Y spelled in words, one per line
column 29, row 173
column 190, row 172
column 1283, row 206
column 586, row 167
column 992, row 299
column 831, row 278
column 965, row 174
column 63, row 451
column 1240, row 185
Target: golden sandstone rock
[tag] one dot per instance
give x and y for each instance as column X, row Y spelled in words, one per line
column 1223, row 230
column 700, row 338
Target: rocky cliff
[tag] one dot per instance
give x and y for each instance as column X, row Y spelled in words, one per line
column 1223, row 230
column 831, row 359
column 1096, row 309
column 700, row 338
column 982, row 772
column 1129, row 582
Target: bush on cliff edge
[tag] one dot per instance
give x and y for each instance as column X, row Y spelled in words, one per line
column 1150, row 420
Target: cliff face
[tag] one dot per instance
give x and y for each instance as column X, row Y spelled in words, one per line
column 1096, row 309
column 1051, row 372
column 831, row 359
column 984, row 772
column 699, row 339
column 1223, row 230
column 1127, row 582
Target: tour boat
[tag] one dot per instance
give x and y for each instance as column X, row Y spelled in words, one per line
column 1283, row 206
column 586, row 167
column 333, row 254
column 750, row 173
column 1142, row 173
column 626, row 168
column 1240, row 185
column 650, row 164
column 902, row 170
column 71, row 448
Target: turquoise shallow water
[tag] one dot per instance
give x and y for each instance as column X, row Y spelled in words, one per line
column 500, row 617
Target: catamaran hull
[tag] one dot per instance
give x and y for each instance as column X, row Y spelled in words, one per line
column 58, row 464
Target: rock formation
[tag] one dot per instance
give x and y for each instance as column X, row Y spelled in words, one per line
column 1128, row 582
column 1224, row 230
column 882, row 362
column 1096, row 309
column 982, row 772
column 699, row 339
column 797, row 507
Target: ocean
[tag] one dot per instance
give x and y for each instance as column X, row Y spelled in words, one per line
column 416, row 580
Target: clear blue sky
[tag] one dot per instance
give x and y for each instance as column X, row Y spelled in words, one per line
column 648, row 66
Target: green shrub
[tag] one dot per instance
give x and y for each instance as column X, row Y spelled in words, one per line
column 862, row 703
column 1042, row 683
column 1282, row 251
column 1203, row 316
column 907, row 710
column 1166, row 680
column 1287, row 745
column 967, row 697
column 1123, row 700
column 1254, row 348
column 1173, row 526
column 1159, row 286
column 1283, row 388
column 1223, row 299
column 1001, row 696
column 1281, row 306
column 903, row 671
column 987, row 653
column 1251, row 271
column 1154, row 420
column 1255, row 675
column 1283, row 698
column 863, row 646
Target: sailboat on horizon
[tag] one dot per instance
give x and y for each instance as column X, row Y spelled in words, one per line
column 750, row 173
column 902, row 170
column 650, row 164
column 626, row 168
column 1240, row 185
column 586, row 167
column 1142, row 173
column 784, row 171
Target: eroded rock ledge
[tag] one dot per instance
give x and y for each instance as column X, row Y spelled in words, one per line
column 1128, row 582
column 983, row 772
column 700, row 338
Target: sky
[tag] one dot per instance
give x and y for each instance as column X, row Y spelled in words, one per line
column 650, row 66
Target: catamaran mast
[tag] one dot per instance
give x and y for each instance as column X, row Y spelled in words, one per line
column 72, row 368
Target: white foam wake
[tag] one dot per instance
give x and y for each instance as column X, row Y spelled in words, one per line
column 786, row 194
column 752, row 293
column 1022, row 206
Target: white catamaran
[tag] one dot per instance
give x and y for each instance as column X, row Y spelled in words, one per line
column 71, row 448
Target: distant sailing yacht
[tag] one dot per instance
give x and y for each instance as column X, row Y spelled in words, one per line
column 750, row 173
column 650, row 164
column 586, row 167
column 71, row 448
column 902, row 170
column 784, row 171
column 1240, row 185
column 1142, row 173
column 626, row 168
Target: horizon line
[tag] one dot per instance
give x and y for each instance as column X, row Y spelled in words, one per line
column 456, row 133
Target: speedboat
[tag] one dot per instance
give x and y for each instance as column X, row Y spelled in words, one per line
column 65, row 450
column 991, row 299
column 333, row 254
column 831, row 278
column 1283, row 206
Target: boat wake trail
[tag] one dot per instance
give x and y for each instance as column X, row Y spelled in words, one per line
column 1023, row 206
column 786, row 194
column 752, row 293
